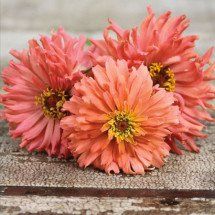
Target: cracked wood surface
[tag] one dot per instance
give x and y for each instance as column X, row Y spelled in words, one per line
column 117, row 206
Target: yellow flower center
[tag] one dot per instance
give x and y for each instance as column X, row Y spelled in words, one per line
column 122, row 126
column 52, row 102
column 162, row 76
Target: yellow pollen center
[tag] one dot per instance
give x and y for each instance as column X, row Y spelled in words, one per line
column 52, row 102
column 122, row 126
column 162, row 76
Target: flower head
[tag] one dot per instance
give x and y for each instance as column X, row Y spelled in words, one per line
column 172, row 62
column 119, row 120
column 36, row 87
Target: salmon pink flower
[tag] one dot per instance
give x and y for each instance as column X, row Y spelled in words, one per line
column 118, row 120
column 37, row 85
column 172, row 63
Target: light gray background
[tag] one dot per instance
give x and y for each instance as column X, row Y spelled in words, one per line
column 22, row 20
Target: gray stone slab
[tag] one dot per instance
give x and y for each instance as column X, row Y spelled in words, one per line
column 190, row 171
column 97, row 206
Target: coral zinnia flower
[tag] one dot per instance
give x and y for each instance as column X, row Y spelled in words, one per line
column 172, row 63
column 37, row 85
column 118, row 120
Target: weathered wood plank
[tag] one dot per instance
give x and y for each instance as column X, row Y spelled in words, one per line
column 101, row 192
column 191, row 171
column 116, row 206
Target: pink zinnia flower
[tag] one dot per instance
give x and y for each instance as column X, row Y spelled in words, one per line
column 172, row 63
column 37, row 85
column 118, row 120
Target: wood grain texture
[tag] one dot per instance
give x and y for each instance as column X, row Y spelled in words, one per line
column 190, row 171
column 102, row 206
column 101, row 192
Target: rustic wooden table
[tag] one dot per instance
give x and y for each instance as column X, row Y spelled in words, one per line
column 37, row 184
column 31, row 184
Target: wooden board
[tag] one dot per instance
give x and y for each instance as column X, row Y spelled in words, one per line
column 35, row 183
column 105, row 206
column 189, row 172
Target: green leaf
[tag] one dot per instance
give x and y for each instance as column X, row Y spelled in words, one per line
column 88, row 42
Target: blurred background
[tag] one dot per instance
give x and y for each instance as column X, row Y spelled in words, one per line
column 22, row 20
